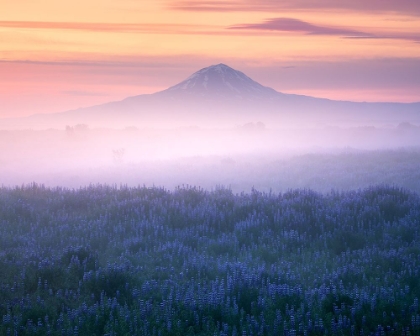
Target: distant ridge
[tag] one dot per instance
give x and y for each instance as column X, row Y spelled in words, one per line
column 220, row 96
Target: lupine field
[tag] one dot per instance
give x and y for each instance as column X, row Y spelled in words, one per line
column 105, row 260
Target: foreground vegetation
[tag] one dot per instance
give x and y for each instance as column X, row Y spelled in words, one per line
column 147, row 261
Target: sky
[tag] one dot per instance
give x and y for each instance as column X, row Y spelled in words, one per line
column 62, row 55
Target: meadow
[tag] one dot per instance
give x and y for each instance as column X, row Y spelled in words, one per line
column 120, row 260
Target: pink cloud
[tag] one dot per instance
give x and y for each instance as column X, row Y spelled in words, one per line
column 411, row 7
column 101, row 27
column 295, row 25
column 276, row 24
column 298, row 26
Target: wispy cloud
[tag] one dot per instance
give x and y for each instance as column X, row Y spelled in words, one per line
column 149, row 62
column 104, row 27
column 411, row 7
column 299, row 26
column 216, row 6
column 295, row 25
column 157, row 28
column 274, row 24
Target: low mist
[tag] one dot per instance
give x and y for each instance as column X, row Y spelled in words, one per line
column 242, row 157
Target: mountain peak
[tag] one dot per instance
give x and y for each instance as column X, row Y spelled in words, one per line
column 219, row 68
column 221, row 81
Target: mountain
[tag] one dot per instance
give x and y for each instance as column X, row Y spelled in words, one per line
column 220, row 82
column 220, row 96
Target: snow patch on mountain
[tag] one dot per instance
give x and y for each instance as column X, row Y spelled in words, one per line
column 221, row 81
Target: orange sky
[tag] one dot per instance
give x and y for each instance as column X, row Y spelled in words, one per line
column 60, row 55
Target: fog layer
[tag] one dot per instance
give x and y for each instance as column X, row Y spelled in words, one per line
column 243, row 157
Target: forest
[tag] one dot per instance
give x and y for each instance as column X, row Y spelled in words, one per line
column 125, row 260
